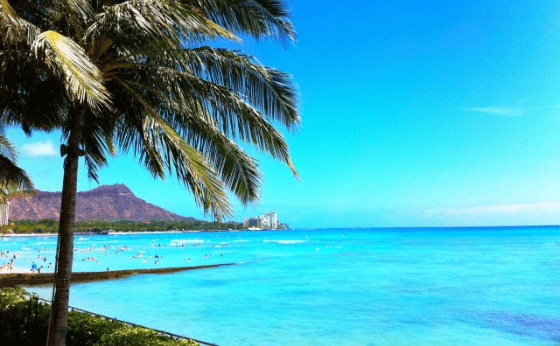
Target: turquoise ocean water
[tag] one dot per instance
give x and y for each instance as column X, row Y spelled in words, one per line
column 472, row 286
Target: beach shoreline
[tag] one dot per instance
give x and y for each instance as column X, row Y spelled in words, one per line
column 7, row 235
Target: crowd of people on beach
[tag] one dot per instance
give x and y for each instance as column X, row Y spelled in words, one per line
column 36, row 266
column 8, row 266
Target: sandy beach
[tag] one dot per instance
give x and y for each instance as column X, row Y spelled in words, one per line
column 95, row 253
column 15, row 270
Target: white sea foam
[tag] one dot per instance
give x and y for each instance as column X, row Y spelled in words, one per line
column 182, row 241
column 283, row 241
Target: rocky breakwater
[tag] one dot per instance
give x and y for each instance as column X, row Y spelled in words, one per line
column 29, row 279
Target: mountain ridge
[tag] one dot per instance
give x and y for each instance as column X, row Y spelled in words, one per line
column 106, row 202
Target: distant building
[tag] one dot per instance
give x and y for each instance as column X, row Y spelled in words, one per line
column 253, row 222
column 4, row 213
column 265, row 221
column 272, row 218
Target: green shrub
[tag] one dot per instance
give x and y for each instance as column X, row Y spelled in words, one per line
column 133, row 336
column 22, row 323
column 10, row 296
column 86, row 330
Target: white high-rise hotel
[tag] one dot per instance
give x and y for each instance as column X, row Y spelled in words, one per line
column 269, row 220
column 265, row 221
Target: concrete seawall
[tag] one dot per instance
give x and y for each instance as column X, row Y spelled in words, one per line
column 28, row 279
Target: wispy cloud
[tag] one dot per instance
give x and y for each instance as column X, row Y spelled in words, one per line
column 501, row 111
column 41, row 148
column 495, row 209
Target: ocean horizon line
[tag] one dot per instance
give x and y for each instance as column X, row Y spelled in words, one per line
column 421, row 227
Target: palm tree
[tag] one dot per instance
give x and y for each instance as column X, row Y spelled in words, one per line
column 135, row 75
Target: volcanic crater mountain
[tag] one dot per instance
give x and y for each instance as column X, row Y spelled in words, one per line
column 107, row 202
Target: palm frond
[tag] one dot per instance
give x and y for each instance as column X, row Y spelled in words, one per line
column 7, row 148
column 13, row 28
column 10, row 23
column 191, row 167
column 12, row 178
column 83, row 79
column 255, row 18
column 14, row 181
column 267, row 89
column 143, row 22
column 231, row 113
column 80, row 7
column 237, row 170
column 97, row 142
column 30, row 94
column 163, row 148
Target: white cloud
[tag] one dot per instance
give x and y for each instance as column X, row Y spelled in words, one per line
column 495, row 209
column 41, row 148
column 501, row 111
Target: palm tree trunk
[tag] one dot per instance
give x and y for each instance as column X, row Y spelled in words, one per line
column 63, row 266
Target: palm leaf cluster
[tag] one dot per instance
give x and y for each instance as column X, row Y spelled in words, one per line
column 143, row 77
column 13, row 180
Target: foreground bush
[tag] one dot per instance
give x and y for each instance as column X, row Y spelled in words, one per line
column 140, row 336
column 23, row 322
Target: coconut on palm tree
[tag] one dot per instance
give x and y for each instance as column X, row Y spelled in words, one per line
column 139, row 76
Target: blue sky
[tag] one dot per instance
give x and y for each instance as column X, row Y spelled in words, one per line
column 414, row 113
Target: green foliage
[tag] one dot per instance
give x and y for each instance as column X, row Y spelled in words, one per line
column 133, row 336
column 18, row 323
column 26, row 323
column 96, row 226
column 11, row 296
column 87, row 330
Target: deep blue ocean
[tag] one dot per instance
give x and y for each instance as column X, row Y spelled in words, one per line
column 444, row 286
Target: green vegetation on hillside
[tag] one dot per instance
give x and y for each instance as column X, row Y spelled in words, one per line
column 51, row 226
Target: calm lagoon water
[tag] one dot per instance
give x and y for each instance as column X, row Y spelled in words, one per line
column 474, row 286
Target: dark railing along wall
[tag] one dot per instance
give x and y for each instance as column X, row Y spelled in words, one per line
column 172, row 335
